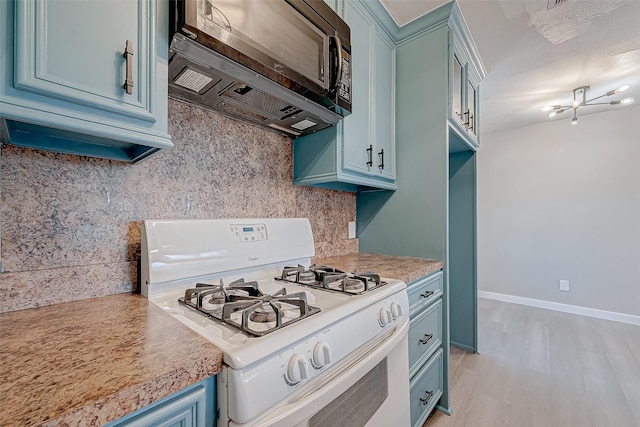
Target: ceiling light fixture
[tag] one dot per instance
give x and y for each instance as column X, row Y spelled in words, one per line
column 580, row 100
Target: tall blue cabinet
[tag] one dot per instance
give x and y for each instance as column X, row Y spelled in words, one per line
column 432, row 214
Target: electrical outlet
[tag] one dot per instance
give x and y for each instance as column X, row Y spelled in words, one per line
column 352, row 229
column 564, row 285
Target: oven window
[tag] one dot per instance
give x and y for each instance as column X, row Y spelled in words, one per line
column 357, row 405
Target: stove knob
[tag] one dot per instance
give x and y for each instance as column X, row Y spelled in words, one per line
column 396, row 310
column 384, row 317
column 321, row 355
column 297, row 369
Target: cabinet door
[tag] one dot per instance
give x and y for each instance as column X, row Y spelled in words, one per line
column 74, row 51
column 384, row 105
column 193, row 406
column 456, row 99
column 358, row 150
column 62, row 75
column 464, row 102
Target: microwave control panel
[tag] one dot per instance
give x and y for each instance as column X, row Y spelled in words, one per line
column 345, row 80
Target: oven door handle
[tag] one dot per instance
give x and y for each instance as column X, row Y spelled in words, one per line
column 337, row 380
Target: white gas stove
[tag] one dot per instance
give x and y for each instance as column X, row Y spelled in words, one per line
column 303, row 344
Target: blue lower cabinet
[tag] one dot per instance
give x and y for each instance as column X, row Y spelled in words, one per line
column 428, row 346
column 426, row 389
column 425, row 336
column 193, row 406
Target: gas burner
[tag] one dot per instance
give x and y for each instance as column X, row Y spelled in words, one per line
column 332, row 279
column 306, row 277
column 264, row 314
column 352, row 284
column 242, row 305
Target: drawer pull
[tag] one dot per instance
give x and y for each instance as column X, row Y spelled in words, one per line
column 427, row 294
column 426, row 339
column 427, row 397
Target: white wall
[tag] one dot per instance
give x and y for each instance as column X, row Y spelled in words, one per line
column 557, row 201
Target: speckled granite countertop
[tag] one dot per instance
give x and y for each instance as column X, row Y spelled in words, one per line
column 86, row 363
column 406, row 269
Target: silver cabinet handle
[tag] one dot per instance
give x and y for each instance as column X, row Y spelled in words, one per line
column 426, row 339
column 466, row 124
column 427, row 294
column 427, row 397
column 381, row 153
column 128, row 57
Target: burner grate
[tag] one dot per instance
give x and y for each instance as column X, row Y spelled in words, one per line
column 242, row 305
column 332, row 279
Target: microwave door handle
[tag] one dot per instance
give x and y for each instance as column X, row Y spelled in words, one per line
column 337, row 45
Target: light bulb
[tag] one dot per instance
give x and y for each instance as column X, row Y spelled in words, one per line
column 553, row 113
column 574, row 121
column 547, row 108
column 627, row 101
column 620, row 89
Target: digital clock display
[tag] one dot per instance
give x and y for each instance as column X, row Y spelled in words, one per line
column 247, row 229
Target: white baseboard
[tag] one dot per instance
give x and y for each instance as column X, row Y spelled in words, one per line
column 566, row 308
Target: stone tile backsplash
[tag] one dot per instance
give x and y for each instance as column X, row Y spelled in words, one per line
column 70, row 225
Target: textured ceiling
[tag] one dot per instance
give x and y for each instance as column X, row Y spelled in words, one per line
column 536, row 57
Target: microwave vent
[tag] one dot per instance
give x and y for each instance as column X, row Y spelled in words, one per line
column 206, row 78
column 304, row 124
column 193, row 80
column 256, row 99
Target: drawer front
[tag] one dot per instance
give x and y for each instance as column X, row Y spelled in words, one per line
column 426, row 389
column 425, row 336
column 424, row 291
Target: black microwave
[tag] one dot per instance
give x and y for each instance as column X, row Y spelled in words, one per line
column 282, row 64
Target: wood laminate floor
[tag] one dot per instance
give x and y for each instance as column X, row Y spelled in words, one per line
column 538, row 367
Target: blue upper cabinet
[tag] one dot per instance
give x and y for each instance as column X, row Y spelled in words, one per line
column 85, row 78
column 360, row 151
column 466, row 73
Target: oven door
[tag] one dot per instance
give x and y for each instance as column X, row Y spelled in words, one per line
column 369, row 388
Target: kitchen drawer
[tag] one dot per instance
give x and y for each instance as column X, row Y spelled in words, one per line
column 424, row 291
column 426, row 389
column 425, row 336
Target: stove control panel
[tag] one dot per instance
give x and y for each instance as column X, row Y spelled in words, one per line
column 333, row 347
column 248, row 232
